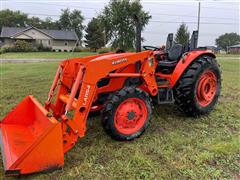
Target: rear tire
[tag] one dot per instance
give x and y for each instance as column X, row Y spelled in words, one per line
column 197, row 91
column 127, row 114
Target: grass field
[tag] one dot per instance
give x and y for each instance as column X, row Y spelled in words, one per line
column 59, row 55
column 173, row 147
column 44, row 55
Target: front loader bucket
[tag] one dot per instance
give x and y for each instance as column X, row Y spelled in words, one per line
column 30, row 140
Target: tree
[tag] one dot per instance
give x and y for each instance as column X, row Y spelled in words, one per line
column 182, row 35
column 227, row 39
column 95, row 34
column 34, row 21
column 48, row 23
column 118, row 20
column 64, row 20
column 18, row 19
column 12, row 18
column 72, row 21
column 43, row 24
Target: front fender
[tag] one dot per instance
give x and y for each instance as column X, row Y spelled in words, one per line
column 185, row 62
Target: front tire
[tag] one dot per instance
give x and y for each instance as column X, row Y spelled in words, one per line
column 197, row 91
column 127, row 114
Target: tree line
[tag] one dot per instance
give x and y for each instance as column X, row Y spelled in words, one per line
column 223, row 41
column 114, row 25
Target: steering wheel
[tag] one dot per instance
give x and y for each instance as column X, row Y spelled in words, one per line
column 151, row 48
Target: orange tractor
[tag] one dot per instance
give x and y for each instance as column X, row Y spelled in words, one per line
column 123, row 86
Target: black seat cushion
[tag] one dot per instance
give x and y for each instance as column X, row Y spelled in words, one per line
column 167, row 63
column 175, row 52
column 166, row 67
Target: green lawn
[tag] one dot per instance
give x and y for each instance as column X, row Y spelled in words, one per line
column 173, row 147
column 45, row 55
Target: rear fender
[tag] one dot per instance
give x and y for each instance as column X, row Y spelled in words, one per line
column 185, row 62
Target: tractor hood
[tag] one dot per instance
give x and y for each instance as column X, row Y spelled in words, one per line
column 100, row 67
column 113, row 56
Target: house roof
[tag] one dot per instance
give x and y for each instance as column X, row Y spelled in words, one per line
column 211, row 47
column 9, row 32
column 234, row 46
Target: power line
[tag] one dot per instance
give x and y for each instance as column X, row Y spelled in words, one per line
column 151, row 32
column 190, row 22
column 154, row 21
column 60, row 5
column 176, row 15
column 207, row 7
column 185, row 15
column 49, row 15
column 158, row 33
column 43, row 3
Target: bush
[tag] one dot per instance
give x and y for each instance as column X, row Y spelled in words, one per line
column 103, row 50
column 22, row 46
column 19, row 46
column 77, row 50
column 84, row 49
column 7, row 48
column 132, row 50
column 41, row 48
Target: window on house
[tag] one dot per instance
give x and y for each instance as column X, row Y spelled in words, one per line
column 65, row 43
column 49, row 42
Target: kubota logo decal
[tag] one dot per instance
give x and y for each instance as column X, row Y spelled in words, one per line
column 119, row 61
column 85, row 98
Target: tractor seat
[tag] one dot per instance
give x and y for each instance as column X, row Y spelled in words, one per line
column 174, row 54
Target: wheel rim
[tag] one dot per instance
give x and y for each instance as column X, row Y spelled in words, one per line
column 130, row 116
column 206, row 88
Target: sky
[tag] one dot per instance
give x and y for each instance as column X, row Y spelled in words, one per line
column 217, row 16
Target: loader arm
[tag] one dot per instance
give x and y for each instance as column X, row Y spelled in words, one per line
column 85, row 76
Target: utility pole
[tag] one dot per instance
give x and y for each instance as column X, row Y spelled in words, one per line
column 199, row 8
